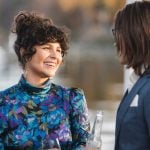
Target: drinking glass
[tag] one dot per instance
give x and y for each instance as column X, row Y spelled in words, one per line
column 94, row 142
column 51, row 144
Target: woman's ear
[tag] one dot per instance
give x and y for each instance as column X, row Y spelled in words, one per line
column 22, row 51
column 62, row 63
column 23, row 58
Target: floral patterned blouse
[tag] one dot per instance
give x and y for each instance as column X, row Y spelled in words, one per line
column 34, row 118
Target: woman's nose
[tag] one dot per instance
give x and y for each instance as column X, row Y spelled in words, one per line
column 53, row 54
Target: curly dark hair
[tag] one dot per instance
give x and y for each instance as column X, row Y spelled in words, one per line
column 132, row 35
column 33, row 28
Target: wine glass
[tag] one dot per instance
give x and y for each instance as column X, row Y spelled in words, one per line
column 51, row 144
column 93, row 146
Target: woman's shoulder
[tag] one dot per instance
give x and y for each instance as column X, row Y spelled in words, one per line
column 8, row 91
column 74, row 96
column 68, row 90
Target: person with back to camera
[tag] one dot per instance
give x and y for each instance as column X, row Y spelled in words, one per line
column 132, row 37
column 35, row 113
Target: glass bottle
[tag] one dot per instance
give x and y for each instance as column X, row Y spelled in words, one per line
column 94, row 142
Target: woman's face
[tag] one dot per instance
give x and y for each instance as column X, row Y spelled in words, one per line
column 45, row 61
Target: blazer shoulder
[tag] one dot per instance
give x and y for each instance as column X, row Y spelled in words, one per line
column 147, row 84
column 145, row 90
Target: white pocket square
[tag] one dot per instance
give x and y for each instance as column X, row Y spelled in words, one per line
column 134, row 102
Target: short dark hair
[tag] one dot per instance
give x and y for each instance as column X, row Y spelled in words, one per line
column 132, row 35
column 33, row 28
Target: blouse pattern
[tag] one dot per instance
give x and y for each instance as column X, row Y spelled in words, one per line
column 34, row 118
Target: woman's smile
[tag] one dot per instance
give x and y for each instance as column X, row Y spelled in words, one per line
column 50, row 64
column 45, row 62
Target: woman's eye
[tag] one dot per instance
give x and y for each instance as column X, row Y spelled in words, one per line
column 45, row 48
column 59, row 50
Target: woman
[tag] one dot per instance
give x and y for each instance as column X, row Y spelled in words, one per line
column 35, row 113
column 132, row 36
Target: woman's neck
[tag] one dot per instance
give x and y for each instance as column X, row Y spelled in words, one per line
column 35, row 80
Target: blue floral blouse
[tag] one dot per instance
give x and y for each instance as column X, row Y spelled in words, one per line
column 34, row 118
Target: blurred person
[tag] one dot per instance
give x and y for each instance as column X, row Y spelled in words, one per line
column 132, row 36
column 36, row 112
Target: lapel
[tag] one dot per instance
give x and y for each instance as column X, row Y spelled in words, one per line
column 124, row 105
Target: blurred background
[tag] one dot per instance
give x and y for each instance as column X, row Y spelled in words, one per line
column 91, row 63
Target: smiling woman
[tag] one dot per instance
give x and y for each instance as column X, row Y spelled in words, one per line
column 44, row 63
column 36, row 112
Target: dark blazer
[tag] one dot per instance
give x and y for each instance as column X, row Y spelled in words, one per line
column 133, row 117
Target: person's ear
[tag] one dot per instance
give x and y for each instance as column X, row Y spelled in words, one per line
column 62, row 63
column 22, row 55
column 22, row 51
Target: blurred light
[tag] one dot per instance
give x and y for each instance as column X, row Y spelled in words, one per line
column 131, row 1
